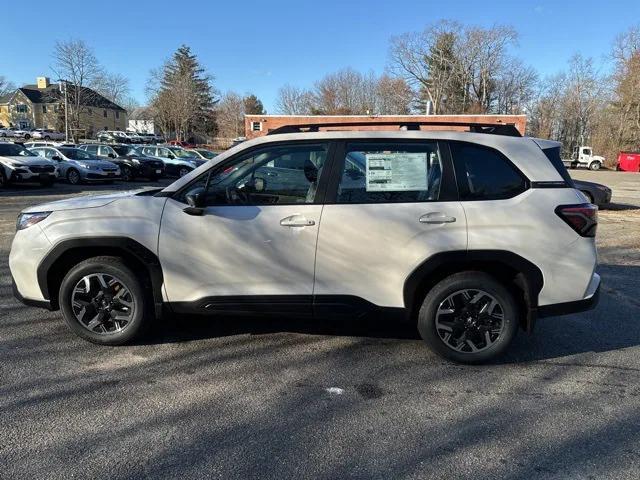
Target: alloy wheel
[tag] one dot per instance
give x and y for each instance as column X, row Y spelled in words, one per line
column 102, row 303
column 183, row 172
column 470, row 320
column 74, row 177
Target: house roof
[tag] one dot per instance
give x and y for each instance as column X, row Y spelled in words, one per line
column 52, row 94
column 6, row 97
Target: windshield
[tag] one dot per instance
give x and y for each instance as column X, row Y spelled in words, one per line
column 13, row 150
column 123, row 150
column 75, row 154
column 207, row 154
column 178, row 152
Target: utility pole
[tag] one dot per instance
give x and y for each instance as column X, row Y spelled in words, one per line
column 66, row 110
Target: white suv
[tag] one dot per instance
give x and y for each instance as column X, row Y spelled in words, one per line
column 464, row 234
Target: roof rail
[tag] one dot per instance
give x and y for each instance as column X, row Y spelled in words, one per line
column 506, row 129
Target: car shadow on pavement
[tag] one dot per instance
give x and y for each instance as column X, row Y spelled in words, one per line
column 618, row 207
column 611, row 326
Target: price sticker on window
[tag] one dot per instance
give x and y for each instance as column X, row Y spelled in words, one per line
column 396, row 172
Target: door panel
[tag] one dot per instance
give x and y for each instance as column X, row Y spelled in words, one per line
column 394, row 205
column 369, row 250
column 237, row 250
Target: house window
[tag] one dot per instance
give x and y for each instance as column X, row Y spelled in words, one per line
column 21, row 108
column 117, row 114
column 256, row 126
column 104, row 113
column 44, row 109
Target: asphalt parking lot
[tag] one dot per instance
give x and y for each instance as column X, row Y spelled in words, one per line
column 249, row 398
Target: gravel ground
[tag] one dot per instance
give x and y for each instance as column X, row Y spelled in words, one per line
column 249, row 398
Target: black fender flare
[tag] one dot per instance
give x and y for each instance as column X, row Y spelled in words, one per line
column 132, row 247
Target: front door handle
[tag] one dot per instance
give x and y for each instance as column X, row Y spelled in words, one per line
column 436, row 218
column 296, row 221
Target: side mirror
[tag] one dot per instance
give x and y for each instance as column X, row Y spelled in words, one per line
column 111, row 155
column 171, row 156
column 56, row 157
column 195, row 198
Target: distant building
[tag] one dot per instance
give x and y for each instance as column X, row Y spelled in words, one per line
column 42, row 106
column 258, row 125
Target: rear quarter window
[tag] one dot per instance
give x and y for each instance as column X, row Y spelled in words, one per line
column 553, row 154
column 483, row 173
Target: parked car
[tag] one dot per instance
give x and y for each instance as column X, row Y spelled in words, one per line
column 132, row 162
column 584, row 157
column 77, row 166
column 202, row 153
column 22, row 133
column 595, row 192
column 47, row 144
column 7, row 132
column 135, row 137
column 47, row 134
column 462, row 234
column 17, row 164
column 180, row 143
column 177, row 163
column 112, row 136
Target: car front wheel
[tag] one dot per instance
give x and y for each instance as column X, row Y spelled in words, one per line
column 594, row 166
column 3, row 178
column 183, row 171
column 103, row 301
column 73, row 176
column 468, row 317
column 127, row 174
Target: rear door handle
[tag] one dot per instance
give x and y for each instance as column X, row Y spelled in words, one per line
column 296, row 221
column 436, row 218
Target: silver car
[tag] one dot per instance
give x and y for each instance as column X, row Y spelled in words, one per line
column 77, row 166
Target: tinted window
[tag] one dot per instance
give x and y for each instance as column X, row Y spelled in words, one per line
column 390, row 172
column 260, row 178
column 75, row 154
column 484, row 173
column 14, row 150
column 553, row 154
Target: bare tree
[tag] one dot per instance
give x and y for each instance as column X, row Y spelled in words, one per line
column 230, row 115
column 294, row 101
column 78, row 67
column 393, row 96
column 112, row 86
column 6, row 86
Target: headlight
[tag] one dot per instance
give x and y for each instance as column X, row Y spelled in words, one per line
column 193, row 163
column 25, row 220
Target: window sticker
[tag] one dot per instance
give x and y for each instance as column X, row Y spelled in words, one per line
column 396, row 172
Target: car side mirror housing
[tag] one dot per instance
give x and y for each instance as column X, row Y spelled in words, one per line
column 195, row 199
column 111, row 155
column 171, row 156
column 56, row 157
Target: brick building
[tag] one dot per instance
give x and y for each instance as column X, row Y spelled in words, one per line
column 258, row 125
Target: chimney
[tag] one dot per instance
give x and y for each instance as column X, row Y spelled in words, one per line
column 43, row 82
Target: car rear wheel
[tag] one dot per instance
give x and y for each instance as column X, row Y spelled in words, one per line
column 47, row 137
column 103, row 301
column 468, row 317
column 73, row 176
column 183, row 171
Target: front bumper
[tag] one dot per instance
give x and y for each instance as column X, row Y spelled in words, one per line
column 23, row 175
column 151, row 171
column 31, row 303
column 589, row 302
column 101, row 176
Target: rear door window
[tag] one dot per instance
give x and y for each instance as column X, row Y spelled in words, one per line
column 484, row 173
column 390, row 172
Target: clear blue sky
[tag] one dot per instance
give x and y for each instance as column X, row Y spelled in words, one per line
column 257, row 46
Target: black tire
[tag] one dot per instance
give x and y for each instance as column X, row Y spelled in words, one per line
column 73, row 177
column 126, row 174
column 27, row 136
column 47, row 137
column 451, row 286
column 182, row 171
column 595, row 166
column 113, row 267
column 3, row 178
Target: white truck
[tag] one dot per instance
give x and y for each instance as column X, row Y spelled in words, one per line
column 584, row 157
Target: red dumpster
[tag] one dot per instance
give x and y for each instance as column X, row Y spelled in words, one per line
column 629, row 161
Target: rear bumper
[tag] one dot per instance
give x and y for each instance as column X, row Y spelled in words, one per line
column 589, row 302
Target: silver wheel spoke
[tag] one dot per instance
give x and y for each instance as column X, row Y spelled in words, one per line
column 469, row 320
column 96, row 309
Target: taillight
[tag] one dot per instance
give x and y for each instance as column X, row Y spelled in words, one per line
column 582, row 218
